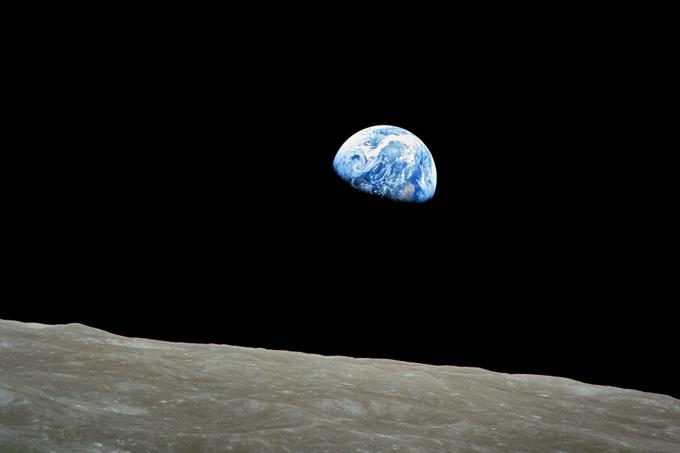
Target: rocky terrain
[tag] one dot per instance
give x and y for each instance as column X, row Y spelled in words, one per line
column 72, row 388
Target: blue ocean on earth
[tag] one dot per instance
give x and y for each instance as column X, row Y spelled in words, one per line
column 388, row 161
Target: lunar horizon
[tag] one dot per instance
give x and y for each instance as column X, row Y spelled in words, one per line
column 79, row 389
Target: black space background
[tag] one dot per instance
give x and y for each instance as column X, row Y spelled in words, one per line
column 178, row 185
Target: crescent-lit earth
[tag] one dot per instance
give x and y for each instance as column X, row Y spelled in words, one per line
column 388, row 161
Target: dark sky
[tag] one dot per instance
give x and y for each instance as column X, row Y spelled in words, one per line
column 186, row 192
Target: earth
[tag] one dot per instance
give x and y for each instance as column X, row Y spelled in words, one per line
column 388, row 161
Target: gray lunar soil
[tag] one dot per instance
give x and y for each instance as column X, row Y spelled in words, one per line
column 72, row 388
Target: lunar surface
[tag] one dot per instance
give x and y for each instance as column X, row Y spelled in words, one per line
column 77, row 389
column 388, row 161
